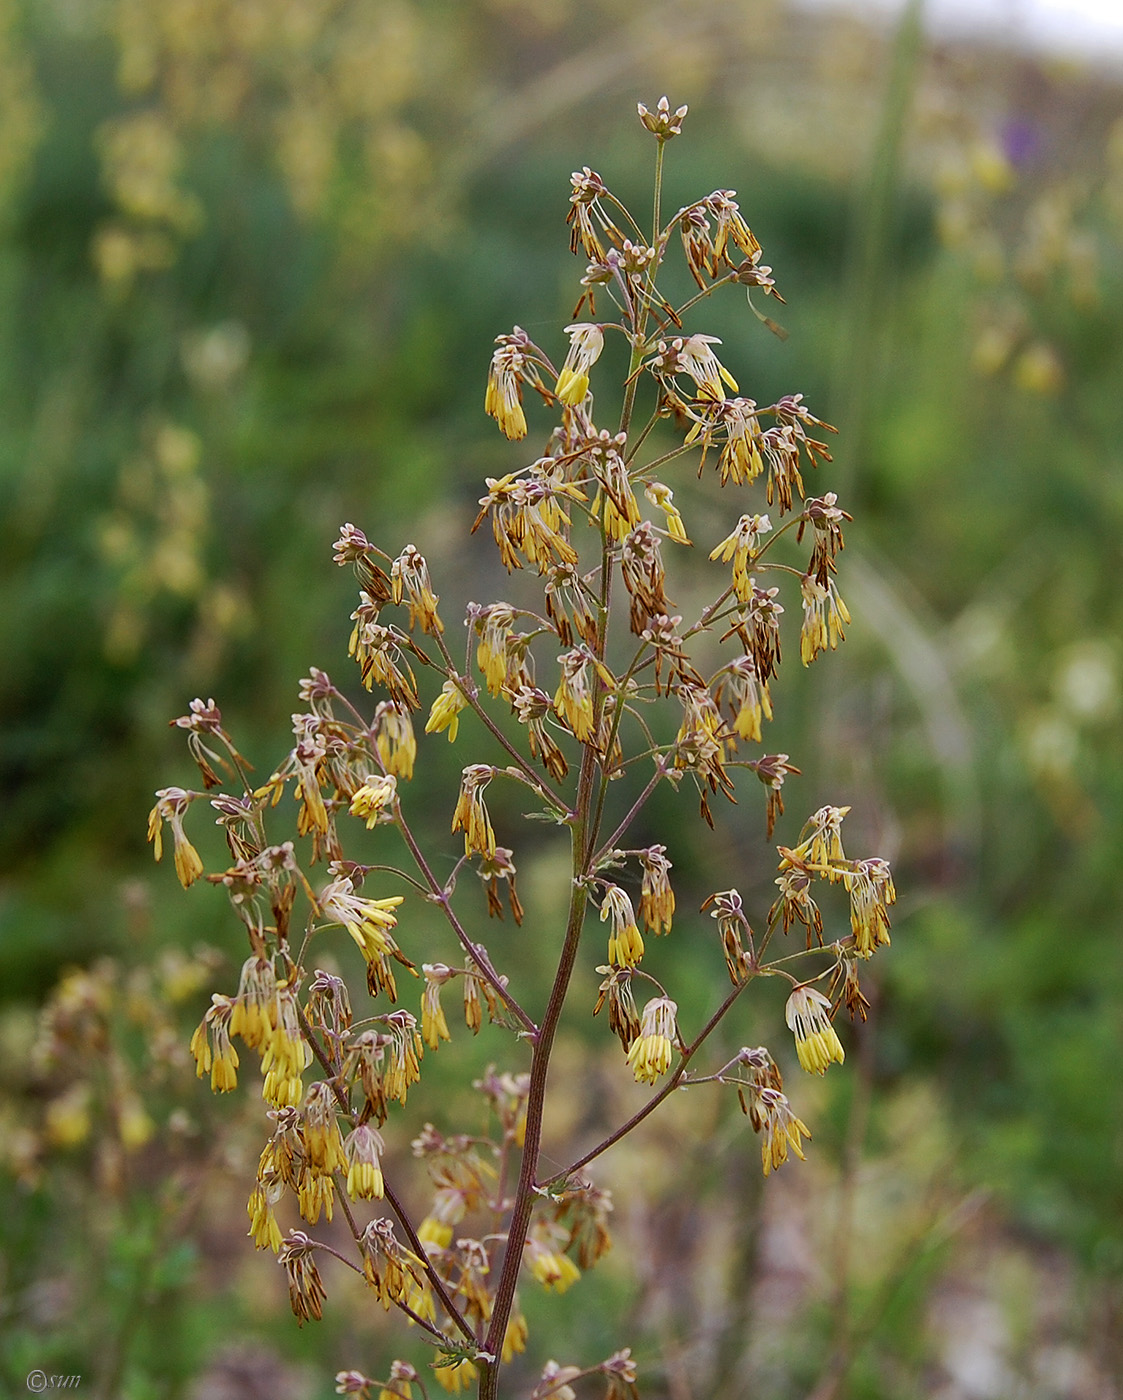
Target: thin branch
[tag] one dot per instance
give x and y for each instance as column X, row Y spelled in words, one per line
column 634, row 811
column 434, row 1278
column 476, row 951
column 653, row 1103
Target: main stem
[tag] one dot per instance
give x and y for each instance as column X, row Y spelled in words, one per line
column 584, row 831
column 536, row 1098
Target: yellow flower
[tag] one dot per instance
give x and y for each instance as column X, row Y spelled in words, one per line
column 375, row 796
column 434, row 1027
column 871, row 889
column 263, row 1223
column 394, row 739
column 316, row 1195
column 824, row 613
column 211, row 1046
column 653, row 1049
column 503, row 398
column 749, row 697
column 455, row 1378
column 409, row 579
column 434, row 1231
column 406, row 1049
column 398, row 1385
column 170, row 807
column 68, row 1119
column 322, row 1138
column 514, row 1338
column 445, row 713
column 743, row 546
column 585, row 345
column 286, row 1055
column 368, row 921
column 573, row 701
column 822, row 846
column 514, row 364
column 615, row 501
column 808, row 1016
column 663, row 497
column 779, row 1127
column 695, row 357
column 364, row 1148
column 254, row 1012
column 470, row 815
column 657, row 899
column 553, row 1269
column 625, row 946
column 494, row 626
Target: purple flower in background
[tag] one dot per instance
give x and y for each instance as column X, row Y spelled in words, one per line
column 1021, row 141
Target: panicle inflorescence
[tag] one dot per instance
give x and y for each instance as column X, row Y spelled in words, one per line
column 604, row 687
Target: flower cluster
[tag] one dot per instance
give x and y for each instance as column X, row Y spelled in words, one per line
column 602, row 684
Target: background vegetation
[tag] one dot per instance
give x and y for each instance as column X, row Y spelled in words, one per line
column 253, row 254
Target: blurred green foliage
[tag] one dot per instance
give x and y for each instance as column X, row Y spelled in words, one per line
column 252, row 258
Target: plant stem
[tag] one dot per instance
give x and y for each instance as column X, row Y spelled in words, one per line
column 524, row 1192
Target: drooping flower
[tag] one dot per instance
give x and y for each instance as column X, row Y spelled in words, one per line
column 405, row 1050
column 306, row 1290
column 368, row 921
column 286, row 1054
column 470, row 815
column 731, row 225
column 513, row 364
column 445, row 713
column 265, row 1231
column 494, row 868
column 553, row 1269
column 749, row 699
column 615, row 502
column 728, row 910
column 364, row 1148
column 742, row 547
column 212, row 1048
column 377, row 649
column 409, row 579
column 657, row 899
column 795, row 901
column 625, row 944
column 623, row 1018
column 641, row 566
column 821, row 846
column 494, row 624
column 586, row 341
column 457, row 1377
column 255, row 1011
column 871, row 889
column 434, row 1027
column 394, row 739
column 585, row 205
column 515, row 1336
column 808, row 1016
column 825, row 518
column 322, row 1138
column 780, row 1129
column 171, row 805
column 824, row 613
column 573, row 701
column 653, row 1049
